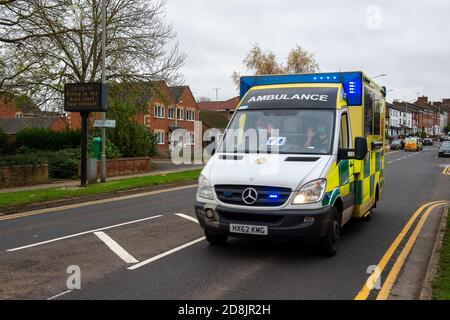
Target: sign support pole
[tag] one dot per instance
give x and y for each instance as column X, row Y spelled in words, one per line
column 84, row 141
column 103, row 154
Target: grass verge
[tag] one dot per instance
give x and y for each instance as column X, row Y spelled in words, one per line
column 441, row 284
column 20, row 198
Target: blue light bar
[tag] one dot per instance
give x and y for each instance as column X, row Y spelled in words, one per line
column 351, row 81
column 273, row 196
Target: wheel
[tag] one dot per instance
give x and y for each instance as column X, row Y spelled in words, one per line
column 215, row 239
column 328, row 244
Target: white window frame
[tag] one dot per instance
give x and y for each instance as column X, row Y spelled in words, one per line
column 190, row 112
column 156, row 111
column 171, row 108
column 159, row 133
column 146, row 120
column 181, row 112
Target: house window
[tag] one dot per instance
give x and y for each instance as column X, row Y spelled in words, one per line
column 190, row 115
column 158, row 111
column 146, row 120
column 159, row 137
column 180, row 114
column 190, row 138
column 171, row 113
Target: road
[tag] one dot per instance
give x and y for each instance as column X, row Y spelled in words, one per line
column 149, row 247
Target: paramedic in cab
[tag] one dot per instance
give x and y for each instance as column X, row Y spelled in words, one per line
column 317, row 137
column 263, row 124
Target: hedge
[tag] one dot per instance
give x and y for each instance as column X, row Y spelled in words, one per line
column 62, row 164
column 2, row 139
column 47, row 139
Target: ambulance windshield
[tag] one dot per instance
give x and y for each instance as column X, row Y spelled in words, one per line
column 285, row 131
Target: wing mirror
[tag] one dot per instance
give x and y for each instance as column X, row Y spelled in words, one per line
column 358, row 153
column 360, row 148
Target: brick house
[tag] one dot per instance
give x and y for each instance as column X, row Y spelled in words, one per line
column 165, row 110
column 17, row 107
column 187, row 111
column 17, row 113
column 171, row 108
column 227, row 106
column 430, row 117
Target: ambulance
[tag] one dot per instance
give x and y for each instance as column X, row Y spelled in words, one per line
column 301, row 156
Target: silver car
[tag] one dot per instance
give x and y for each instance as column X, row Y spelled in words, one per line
column 444, row 150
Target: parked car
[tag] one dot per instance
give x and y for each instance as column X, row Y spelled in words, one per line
column 444, row 150
column 396, row 145
column 427, row 142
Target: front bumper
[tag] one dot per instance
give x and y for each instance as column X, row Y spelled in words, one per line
column 285, row 224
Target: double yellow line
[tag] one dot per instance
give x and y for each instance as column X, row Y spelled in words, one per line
column 383, row 294
column 446, row 171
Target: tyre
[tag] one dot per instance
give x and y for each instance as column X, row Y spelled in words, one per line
column 328, row 244
column 215, row 239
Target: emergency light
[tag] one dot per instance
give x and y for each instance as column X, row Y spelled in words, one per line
column 351, row 82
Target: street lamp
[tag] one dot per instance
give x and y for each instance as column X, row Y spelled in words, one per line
column 103, row 114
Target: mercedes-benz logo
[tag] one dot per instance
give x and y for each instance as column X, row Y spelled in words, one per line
column 249, row 196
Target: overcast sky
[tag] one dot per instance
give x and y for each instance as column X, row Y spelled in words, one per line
column 407, row 40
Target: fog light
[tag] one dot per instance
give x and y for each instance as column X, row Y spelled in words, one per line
column 308, row 219
column 209, row 213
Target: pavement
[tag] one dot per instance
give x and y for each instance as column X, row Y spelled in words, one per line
column 158, row 167
column 150, row 246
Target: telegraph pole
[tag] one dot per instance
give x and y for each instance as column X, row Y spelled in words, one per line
column 103, row 117
column 217, row 98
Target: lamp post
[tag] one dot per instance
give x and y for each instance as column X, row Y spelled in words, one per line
column 217, row 98
column 103, row 114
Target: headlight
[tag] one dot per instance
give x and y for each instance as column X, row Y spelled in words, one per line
column 204, row 189
column 311, row 192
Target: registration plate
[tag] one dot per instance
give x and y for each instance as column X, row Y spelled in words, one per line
column 248, row 229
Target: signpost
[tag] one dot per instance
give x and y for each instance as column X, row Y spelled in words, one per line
column 85, row 98
column 105, row 123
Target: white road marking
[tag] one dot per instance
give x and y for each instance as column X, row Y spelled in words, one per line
column 164, row 254
column 182, row 215
column 82, row 233
column 116, row 248
column 59, row 295
column 390, row 162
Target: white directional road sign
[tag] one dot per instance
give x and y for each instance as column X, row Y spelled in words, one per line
column 105, row 123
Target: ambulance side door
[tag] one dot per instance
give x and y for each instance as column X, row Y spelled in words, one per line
column 346, row 172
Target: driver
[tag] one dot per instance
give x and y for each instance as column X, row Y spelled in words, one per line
column 317, row 136
column 263, row 124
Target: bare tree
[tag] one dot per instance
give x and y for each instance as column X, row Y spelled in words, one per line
column 301, row 61
column 59, row 41
column 261, row 62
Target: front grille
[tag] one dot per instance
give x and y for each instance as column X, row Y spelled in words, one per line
column 232, row 194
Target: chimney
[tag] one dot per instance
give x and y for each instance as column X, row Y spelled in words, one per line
column 423, row 99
